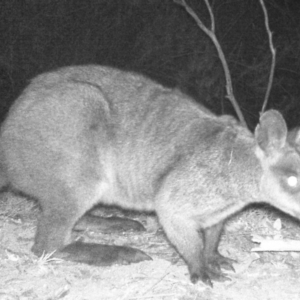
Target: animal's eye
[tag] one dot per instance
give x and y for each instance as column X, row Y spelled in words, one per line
column 288, row 176
column 292, row 181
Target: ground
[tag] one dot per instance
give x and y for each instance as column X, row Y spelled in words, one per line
column 260, row 276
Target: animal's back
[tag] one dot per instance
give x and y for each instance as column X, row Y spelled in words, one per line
column 117, row 128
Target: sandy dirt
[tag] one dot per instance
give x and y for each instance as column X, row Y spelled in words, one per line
column 261, row 276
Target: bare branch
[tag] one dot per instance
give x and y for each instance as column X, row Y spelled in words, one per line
column 273, row 52
column 275, row 245
column 211, row 34
column 212, row 17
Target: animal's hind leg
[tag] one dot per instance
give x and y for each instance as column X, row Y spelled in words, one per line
column 60, row 210
column 53, row 231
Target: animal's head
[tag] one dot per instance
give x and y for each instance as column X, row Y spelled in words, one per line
column 279, row 156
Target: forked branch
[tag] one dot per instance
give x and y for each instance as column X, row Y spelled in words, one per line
column 212, row 35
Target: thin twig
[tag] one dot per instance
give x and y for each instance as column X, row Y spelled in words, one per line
column 212, row 17
column 211, row 34
column 273, row 52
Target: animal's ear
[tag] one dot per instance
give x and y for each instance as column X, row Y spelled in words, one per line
column 271, row 132
column 297, row 139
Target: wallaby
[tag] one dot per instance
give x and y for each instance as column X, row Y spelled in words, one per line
column 84, row 135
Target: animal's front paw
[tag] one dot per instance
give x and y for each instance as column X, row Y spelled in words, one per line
column 207, row 275
column 218, row 261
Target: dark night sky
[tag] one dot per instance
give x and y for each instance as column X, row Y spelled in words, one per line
column 159, row 39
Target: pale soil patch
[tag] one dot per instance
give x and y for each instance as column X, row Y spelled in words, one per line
column 258, row 276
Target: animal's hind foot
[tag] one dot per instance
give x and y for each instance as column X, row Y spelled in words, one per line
column 101, row 255
column 107, row 225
